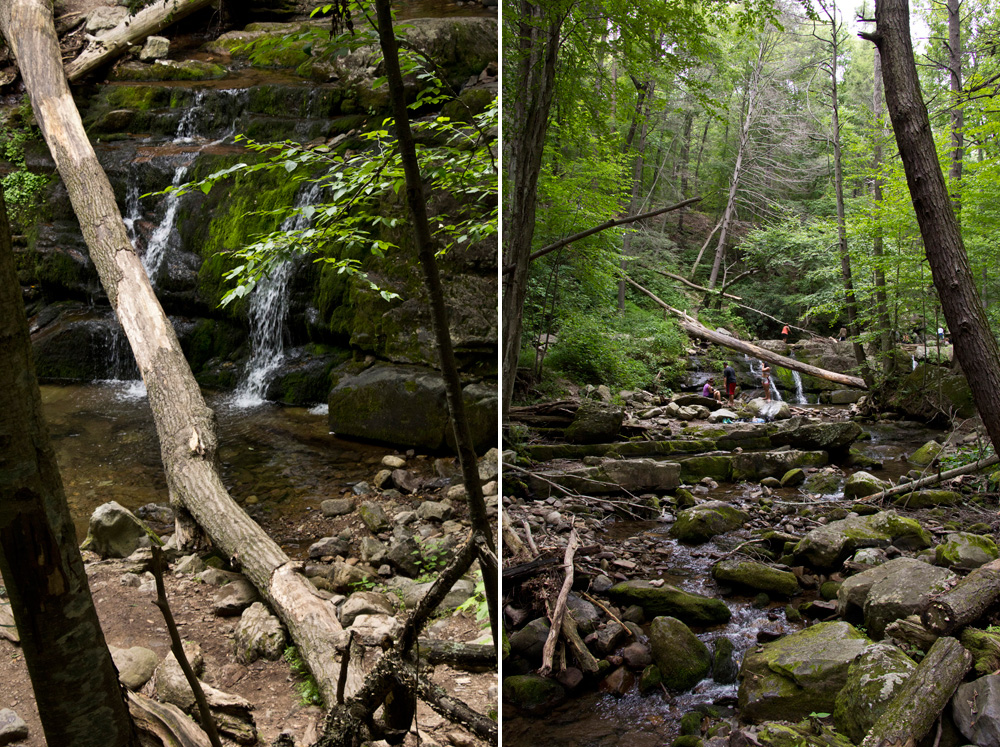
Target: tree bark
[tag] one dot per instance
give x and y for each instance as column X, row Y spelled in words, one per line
column 132, row 30
column 61, row 637
column 912, row 711
column 439, row 312
column 533, row 44
column 975, row 346
column 640, row 121
column 881, row 301
column 957, row 110
column 966, row 602
column 184, row 423
column 696, row 329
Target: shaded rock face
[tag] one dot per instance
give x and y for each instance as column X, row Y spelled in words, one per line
column 406, row 405
column 930, row 391
column 906, row 589
column 682, row 659
column 976, row 710
column 532, row 694
column 872, row 680
column 667, row 600
column 595, row 422
column 965, row 551
column 332, row 316
column 798, row 674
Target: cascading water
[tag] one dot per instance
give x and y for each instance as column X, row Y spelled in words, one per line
column 266, row 312
column 757, row 369
column 800, row 397
column 156, row 249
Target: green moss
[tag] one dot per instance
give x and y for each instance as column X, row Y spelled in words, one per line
column 717, row 467
column 186, row 70
column 140, row 98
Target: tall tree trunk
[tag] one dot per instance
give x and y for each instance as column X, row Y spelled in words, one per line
column 957, row 110
column 975, row 346
column 750, row 112
column 640, row 122
column 886, row 345
column 533, row 42
column 439, row 312
column 184, row 423
column 76, row 684
column 838, row 179
column 685, row 160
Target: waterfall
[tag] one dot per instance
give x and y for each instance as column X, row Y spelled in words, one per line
column 800, row 398
column 156, row 249
column 913, row 360
column 266, row 312
column 757, row 369
column 187, row 127
column 123, row 372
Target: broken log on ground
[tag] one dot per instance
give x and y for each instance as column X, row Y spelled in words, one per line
column 964, row 603
column 470, row 656
column 909, row 487
column 559, row 610
column 557, row 414
column 694, row 328
column 917, row 704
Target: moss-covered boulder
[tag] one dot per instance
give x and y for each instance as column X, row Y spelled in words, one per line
column 612, row 476
column 694, row 609
column 649, row 679
column 532, row 694
column 530, row 640
column 926, row 454
column 862, row 484
column 964, row 551
column 755, row 466
column 724, row 666
column 984, row 647
column 799, row 674
column 829, row 481
column 872, row 680
column 717, row 467
column 930, row 391
column 812, row 436
column 595, row 422
column 168, row 70
column 757, row 576
column 906, row 589
column 682, row 659
column 702, row 522
column 927, row 499
column 793, row 478
column 806, row 733
column 405, row 406
column 827, row 546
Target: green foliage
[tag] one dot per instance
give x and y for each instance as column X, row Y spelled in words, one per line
column 307, row 688
column 632, row 351
column 477, row 603
column 20, row 185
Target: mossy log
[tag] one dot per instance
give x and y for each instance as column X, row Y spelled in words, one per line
column 912, row 711
column 470, row 656
column 966, row 602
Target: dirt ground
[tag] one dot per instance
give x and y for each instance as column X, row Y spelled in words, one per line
column 129, row 618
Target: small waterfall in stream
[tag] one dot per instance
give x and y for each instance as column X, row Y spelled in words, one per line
column 800, row 397
column 266, row 312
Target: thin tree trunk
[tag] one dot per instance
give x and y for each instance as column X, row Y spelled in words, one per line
column 882, row 306
column 184, row 423
column 640, row 121
column 975, row 346
column 76, row 684
column 439, row 312
column 957, row 110
column 534, row 43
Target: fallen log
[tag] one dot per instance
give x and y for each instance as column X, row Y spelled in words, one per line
column 557, row 414
column 586, row 660
column 132, row 30
column 696, row 329
column 470, row 656
column 914, row 708
column 911, row 631
column 964, row 603
column 909, row 487
column 559, row 612
column 165, row 723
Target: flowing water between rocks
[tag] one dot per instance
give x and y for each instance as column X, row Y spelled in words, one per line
column 280, row 463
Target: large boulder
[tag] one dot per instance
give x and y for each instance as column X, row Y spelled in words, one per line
column 260, row 635
column 702, row 522
column 612, row 476
column 976, row 710
column 799, row 674
column 906, row 590
column 862, row 484
column 755, row 466
column 406, row 406
column 756, row 576
column 595, row 423
column 929, row 391
column 964, row 551
column 809, row 435
column 928, row 499
column 668, row 600
column 773, row 410
column 532, row 694
column 114, row 532
column 682, row 659
column 926, row 454
column 828, row 545
column 872, row 680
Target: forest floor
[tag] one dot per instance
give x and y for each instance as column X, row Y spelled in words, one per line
column 129, row 618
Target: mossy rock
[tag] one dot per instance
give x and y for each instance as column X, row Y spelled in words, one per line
column 984, row 647
column 701, row 523
column 824, row 483
column 756, row 576
column 655, row 601
column 926, row 454
column 724, row 667
column 793, row 478
column 532, row 694
column 862, row 484
column 755, row 466
column 928, row 499
column 168, row 70
column 827, row 546
column 683, row 659
column 649, row 679
column 806, row 733
column 468, row 104
column 799, row 674
column 595, row 422
column 965, row 551
column 719, row 468
column 687, row 740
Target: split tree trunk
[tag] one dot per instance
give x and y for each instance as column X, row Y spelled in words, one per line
column 75, row 682
column 975, row 346
column 132, row 30
column 696, row 329
column 917, row 704
column 184, row 423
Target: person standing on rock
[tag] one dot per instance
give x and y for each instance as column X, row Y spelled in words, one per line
column 765, row 381
column 784, row 333
column 730, row 376
column 843, row 334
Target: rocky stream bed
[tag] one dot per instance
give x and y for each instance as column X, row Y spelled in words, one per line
column 740, row 582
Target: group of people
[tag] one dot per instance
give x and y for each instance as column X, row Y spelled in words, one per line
column 729, row 376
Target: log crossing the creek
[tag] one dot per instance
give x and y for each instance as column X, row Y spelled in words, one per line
column 696, row 329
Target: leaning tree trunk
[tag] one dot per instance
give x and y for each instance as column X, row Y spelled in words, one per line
column 975, row 346
column 184, row 423
column 76, row 684
column 132, row 30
